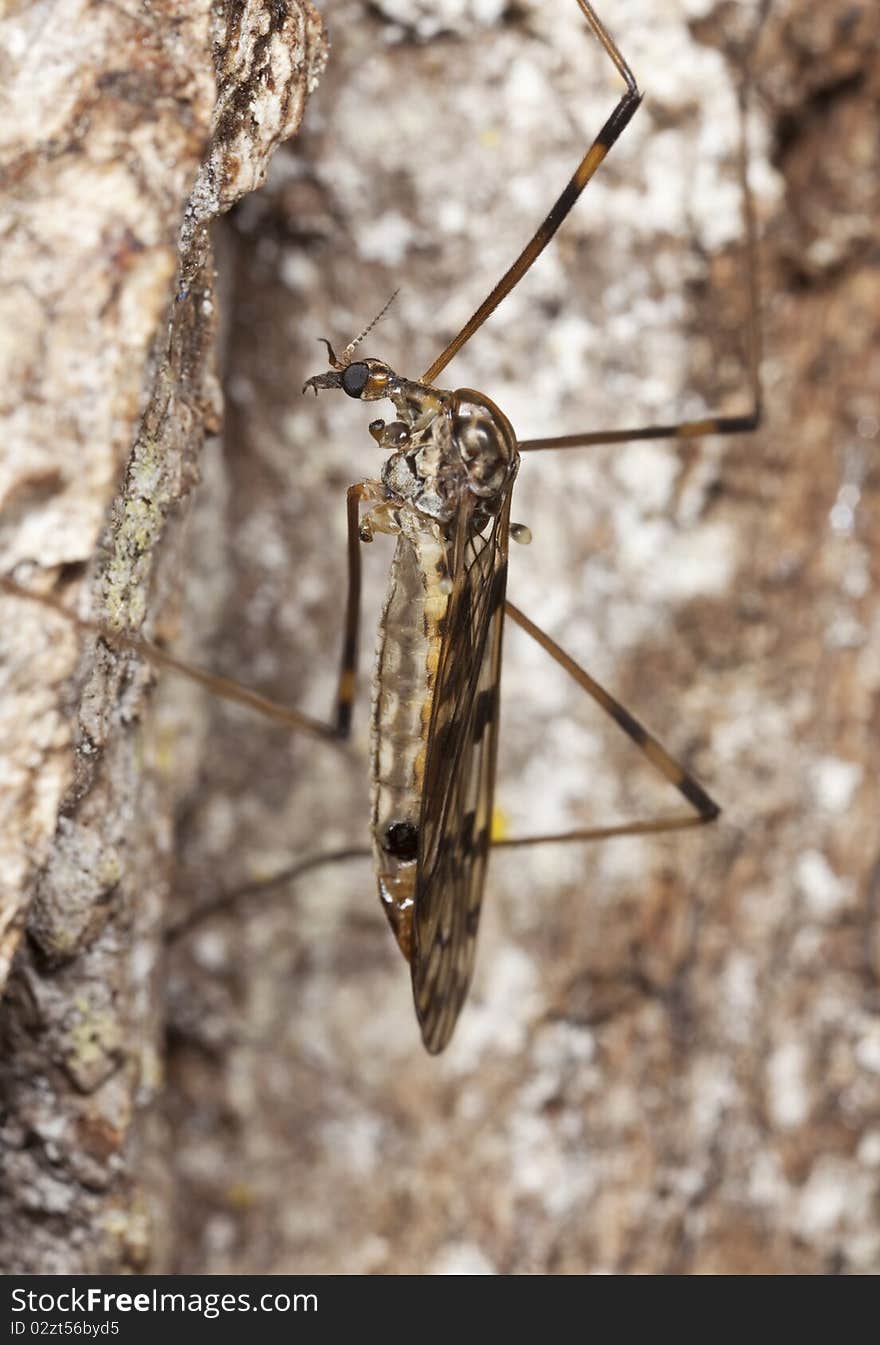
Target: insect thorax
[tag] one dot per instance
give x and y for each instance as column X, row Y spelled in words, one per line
column 447, row 446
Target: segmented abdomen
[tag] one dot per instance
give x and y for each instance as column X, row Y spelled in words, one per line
column 410, row 637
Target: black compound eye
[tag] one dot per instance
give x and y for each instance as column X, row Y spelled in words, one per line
column 355, row 378
column 401, row 839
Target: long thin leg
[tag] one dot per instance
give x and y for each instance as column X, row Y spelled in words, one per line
column 348, row 668
column 692, row 429
column 224, row 686
column 618, row 120
column 705, row 808
column 227, row 901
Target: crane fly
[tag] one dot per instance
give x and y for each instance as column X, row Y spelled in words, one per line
column 445, row 493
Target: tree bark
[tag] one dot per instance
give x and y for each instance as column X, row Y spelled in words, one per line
column 128, row 131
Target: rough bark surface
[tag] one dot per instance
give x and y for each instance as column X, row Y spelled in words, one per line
column 126, row 131
column 671, row 1058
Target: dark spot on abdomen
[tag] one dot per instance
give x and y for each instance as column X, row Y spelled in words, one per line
column 401, row 839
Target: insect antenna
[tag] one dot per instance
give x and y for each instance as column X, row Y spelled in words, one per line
column 353, row 345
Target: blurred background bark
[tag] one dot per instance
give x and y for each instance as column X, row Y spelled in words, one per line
column 671, row 1060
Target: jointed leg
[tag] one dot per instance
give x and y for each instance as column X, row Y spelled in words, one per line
column 705, row 808
column 619, row 118
column 348, row 669
column 228, row 900
column 225, row 687
column 692, row 429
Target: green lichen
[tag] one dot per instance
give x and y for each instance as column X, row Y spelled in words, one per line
column 93, row 1039
column 140, row 521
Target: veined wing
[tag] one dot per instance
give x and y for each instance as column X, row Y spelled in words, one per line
column 456, row 812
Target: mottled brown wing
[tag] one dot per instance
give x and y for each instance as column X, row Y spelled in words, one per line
column 456, row 814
